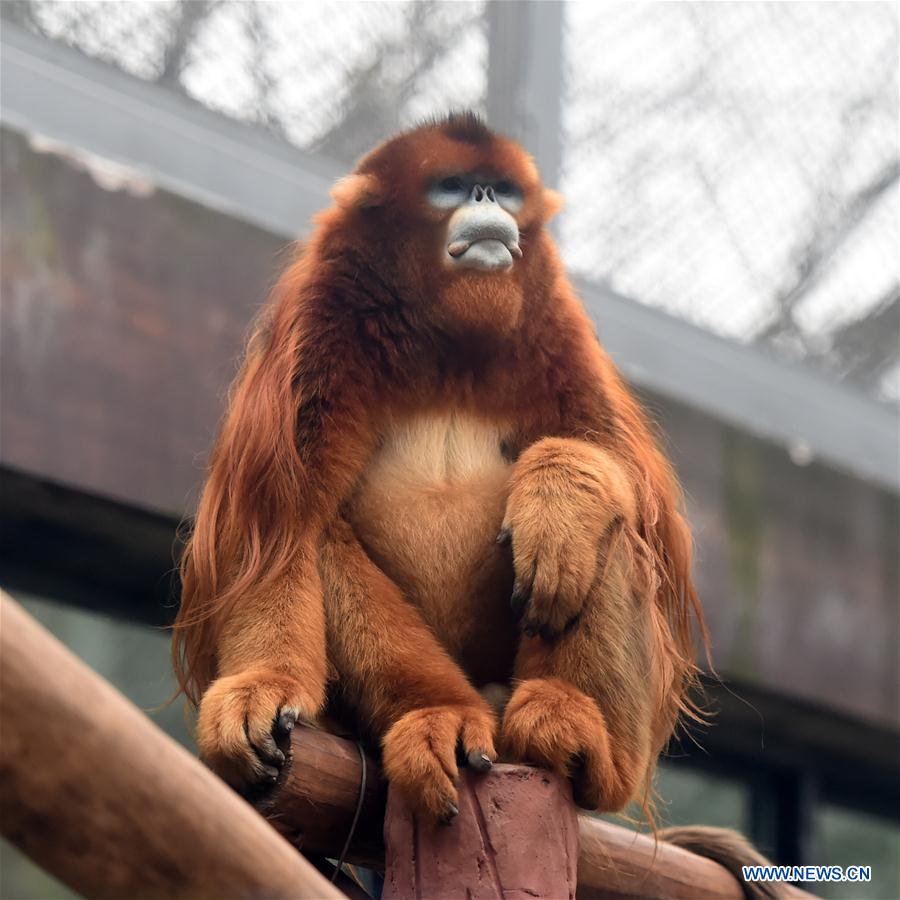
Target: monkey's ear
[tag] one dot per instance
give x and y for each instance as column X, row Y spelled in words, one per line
column 553, row 203
column 358, row 192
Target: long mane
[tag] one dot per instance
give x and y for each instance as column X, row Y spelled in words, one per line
column 665, row 533
column 246, row 529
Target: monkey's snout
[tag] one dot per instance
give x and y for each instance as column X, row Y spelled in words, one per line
column 482, row 235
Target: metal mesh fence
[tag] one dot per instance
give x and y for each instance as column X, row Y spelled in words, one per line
column 736, row 164
column 331, row 77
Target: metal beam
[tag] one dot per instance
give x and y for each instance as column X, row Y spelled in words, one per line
column 50, row 90
column 525, row 89
column 813, row 417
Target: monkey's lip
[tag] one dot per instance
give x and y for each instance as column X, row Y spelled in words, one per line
column 485, row 253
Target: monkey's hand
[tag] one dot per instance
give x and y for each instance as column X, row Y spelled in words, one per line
column 242, row 720
column 421, row 752
column 565, row 495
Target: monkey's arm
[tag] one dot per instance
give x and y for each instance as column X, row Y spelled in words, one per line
column 271, row 666
column 270, row 662
column 412, row 694
column 597, row 666
column 298, row 432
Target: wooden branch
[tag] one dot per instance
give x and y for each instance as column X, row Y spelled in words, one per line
column 614, row 862
column 102, row 799
column 315, row 798
column 314, row 801
column 96, row 794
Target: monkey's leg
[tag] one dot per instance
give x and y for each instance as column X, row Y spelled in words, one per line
column 597, row 702
column 404, row 684
column 595, row 677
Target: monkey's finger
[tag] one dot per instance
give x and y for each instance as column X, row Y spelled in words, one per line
column 477, row 736
column 259, row 736
column 267, row 750
column 476, row 759
column 222, row 740
column 504, row 539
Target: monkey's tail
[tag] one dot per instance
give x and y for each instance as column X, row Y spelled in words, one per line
column 731, row 851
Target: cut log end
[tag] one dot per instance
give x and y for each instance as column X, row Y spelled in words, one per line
column 516, row 836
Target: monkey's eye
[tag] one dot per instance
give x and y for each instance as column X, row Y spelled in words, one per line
column 449, row 192
column 451, row 185
column 509, row 195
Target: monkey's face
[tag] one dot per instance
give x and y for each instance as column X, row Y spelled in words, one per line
column 481, row 231
column 455, row 212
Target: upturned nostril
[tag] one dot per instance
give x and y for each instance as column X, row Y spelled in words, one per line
column 478, row 193
column 489, row 194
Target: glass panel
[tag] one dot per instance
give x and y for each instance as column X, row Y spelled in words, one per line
column 690, row 796
column 849, row 838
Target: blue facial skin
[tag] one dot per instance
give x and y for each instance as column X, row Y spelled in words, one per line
column 454, row 190
column 481, row 232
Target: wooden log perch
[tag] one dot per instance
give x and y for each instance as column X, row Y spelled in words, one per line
column 102, row 799
column 314, row 802
column 106, row 802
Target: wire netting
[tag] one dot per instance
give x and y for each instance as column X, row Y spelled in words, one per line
column 330, row 77
column 734, row 164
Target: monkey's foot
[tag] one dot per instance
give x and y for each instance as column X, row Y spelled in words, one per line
column 242, row 720
column 552, row 724
column 421, row 750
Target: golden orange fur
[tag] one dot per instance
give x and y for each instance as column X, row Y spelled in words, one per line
column 391, row 418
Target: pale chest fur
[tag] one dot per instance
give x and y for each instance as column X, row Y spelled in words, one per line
column 428, row 509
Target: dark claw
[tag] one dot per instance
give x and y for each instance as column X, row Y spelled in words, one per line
column 577, row 777
column 505, row 537
column 479, row 761
column 450, row 815
column 270, row 754
column 519, row 599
